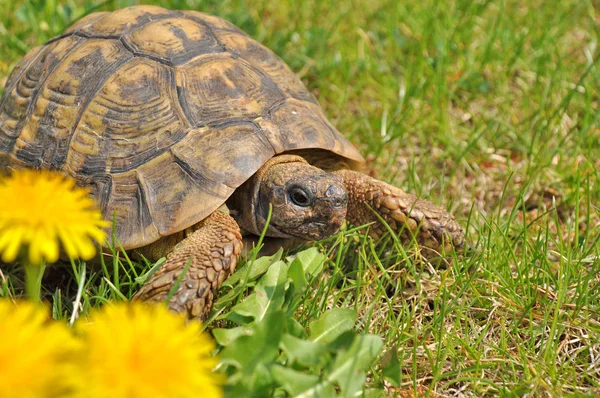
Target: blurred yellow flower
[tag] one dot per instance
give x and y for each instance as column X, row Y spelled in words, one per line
column 36, row 353
column 41, row 209
column 142, row 350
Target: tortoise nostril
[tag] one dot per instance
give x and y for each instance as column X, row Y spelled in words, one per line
column 337, row 196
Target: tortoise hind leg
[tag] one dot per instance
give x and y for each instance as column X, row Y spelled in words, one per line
column 434, row 228
column 213, row 251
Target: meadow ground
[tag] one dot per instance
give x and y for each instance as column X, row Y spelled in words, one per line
column 490, row 109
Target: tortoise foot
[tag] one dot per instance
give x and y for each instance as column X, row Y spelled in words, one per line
column 207, row 256
column 433, row 228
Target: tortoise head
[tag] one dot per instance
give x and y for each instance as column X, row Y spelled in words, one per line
column 305, row 202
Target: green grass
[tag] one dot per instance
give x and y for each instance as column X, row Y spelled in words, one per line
column 488, row 108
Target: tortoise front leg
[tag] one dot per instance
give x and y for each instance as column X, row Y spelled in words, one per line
column 213, row 251
column 433, row 227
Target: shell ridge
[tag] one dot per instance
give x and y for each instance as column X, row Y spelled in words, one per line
column 177, row 97
column 195, row 176
column 207, row 26
column 36, row 93
column 63, row 36
column 157, row 152
column 268, row 113
column 89, row 98
column 137, row 54
column 144, row 204
column 125, row 31
column 263, row 134
column 265, row 76
column 282, row 97
column 17, row 78
column 85, row 35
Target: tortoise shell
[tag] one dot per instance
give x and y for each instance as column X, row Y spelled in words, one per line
column 162, row 114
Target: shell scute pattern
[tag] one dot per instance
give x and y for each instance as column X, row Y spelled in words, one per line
column 86, row 21
column 223, row 88
column 45, row 137
column 134, row 117
column 260, row 56
column 19, row 105
column 119, row 22
column 174, row 193
column 221, row 158
column 174, row 41
column 215, row 24
column 14, row 103
column 127, row 205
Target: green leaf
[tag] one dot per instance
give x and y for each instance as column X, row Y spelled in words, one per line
column 261, row 381
column 373, row 393
column 312, row 261
column 259, row 384
column 304, row 352
column 268, row 296
column 143, row 278
column 238, row 283
column 348, row 369
column 225, row 337
column 294, row 328
column 299, row 384
column 342, row 342
column 260, row 346
column 332, row 324
column 391, row 369
column 253, row 269
column 296, row 274
column 306, row 263
column 229, row 297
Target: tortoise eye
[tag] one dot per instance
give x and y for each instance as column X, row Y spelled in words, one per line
column 299, row 197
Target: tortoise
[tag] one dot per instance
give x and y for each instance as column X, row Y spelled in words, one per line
column 171, row 117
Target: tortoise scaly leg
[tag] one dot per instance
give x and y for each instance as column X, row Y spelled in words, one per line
column 434, row 228
column 213, row 250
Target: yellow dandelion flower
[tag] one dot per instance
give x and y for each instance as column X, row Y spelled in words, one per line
column 142, row 350
column 36, row 353
column 41, row 209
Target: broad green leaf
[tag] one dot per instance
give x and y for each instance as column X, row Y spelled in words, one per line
column 332, row 324
column 294, row 328
column 352, row 383
column 392, row 369
column 261, row 381
column 225, row 337
column 296, row 383
column 268, row 296
column 350, row 365
column 259, row 384
column 312, row 260
column 304, row 352
column 261, row 346
column 342, row 342
column 372, row 393
column 246, row 311
column 296, row 274
column 252, row 269
column 321, row 390
column 229, row 297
